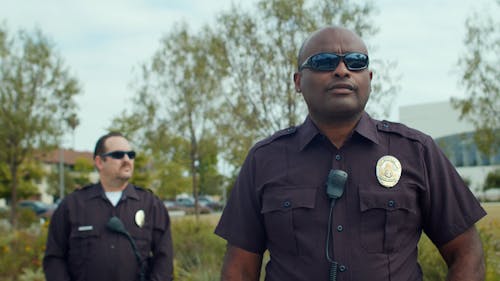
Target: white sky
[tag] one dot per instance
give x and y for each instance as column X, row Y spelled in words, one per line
column 102, row 41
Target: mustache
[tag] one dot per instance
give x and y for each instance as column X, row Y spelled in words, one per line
column 336, row 84
column 126, row 165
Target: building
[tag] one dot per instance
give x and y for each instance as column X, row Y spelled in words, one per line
column 441, row 121
column 51, row 163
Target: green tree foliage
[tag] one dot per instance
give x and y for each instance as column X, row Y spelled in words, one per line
column 29, row 173
column 211, row 181
column 141, row 175
column 81, row 171
column 261, row 47
column 480, row 76
column 492, row 180
column 175, row 106
column 36, row 94
column 74, row 177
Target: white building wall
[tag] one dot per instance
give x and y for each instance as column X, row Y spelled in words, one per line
column 440, row 119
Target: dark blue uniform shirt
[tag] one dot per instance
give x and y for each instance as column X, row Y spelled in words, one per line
column 279, row 203
column 80, row 247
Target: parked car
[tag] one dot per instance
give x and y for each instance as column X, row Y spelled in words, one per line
column 207, row 201
column 187, row 204
column 40, row 208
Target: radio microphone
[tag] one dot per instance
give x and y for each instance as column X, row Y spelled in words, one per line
column 116, row 225
column 335, row 183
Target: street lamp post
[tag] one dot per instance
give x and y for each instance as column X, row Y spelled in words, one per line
column 61, row 173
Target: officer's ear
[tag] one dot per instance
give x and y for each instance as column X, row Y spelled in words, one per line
column 296, row 81
column 98, row 162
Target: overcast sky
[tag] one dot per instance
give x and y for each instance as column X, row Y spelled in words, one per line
column 102, row 41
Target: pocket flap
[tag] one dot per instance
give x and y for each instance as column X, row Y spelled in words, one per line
column 387, row 199
column 287, row 198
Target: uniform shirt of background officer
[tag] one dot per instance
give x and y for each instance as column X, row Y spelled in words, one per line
column 80, row 246
column 398, row 183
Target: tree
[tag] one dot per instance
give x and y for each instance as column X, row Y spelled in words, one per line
column 178, row 99
column 36, row 96
column 29, row 173
column 262, row 47
column 74, row 178
column 479, row 74
column 73, row 123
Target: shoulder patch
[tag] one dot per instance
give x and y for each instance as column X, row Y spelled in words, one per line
column 402, row 130
column 279, row 134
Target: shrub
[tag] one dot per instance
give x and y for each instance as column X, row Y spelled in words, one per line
column 430, row 260
column 435, row 268
column 492, row 180
column 198, row 251
column 22, row 250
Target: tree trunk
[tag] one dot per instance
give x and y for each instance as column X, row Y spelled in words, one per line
column 13, row 203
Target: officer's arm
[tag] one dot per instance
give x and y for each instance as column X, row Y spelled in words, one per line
column 55, row 259
column 240, row 265
column 162, row 260
column 464, row 257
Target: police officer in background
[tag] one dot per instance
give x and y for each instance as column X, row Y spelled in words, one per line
column 344, row 196
column 111, row 230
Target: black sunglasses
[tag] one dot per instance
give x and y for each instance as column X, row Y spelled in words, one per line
column 330, row 61
column 119, row 154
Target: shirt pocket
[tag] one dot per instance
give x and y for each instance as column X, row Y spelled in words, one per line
column 388, row 217
column 81, row 245
column 283, row 208
column 142, row 238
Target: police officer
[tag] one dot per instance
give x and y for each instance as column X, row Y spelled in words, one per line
column 111, row 230
column 344, row 196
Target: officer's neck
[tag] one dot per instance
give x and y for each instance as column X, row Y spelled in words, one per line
column 110, row 185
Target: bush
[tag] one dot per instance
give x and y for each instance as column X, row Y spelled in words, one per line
column 198, row 251
column 430, row 260
column 22, row 252
column 435, row 268
column 492, row 180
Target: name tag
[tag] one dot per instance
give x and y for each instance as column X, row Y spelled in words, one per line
column 85, row 228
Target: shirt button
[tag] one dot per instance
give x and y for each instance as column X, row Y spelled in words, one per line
column 338, row 157
column 342, row 268
column 287, row 204
column 340, row 228
column 112, row 246
column 391, row 203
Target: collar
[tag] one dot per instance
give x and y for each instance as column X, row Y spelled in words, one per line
column 366, row 128
column 97, row 190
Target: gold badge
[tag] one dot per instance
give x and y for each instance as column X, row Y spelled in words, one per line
column 140, row 218
column 388, row 171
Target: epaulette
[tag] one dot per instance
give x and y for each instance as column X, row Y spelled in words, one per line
column 143, row 188
column 279, row 134
column 85, row 186
column 402, row 130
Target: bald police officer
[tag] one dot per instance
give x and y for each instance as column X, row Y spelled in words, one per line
column 111, row 230
column 344, row 196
